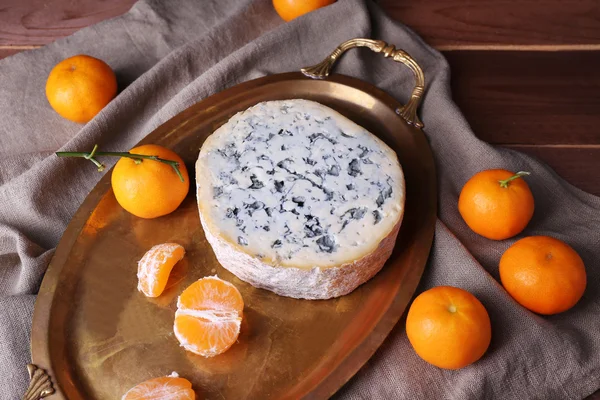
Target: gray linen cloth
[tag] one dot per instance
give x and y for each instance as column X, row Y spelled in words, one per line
column 170, row 55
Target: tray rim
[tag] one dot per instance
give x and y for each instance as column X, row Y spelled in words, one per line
column 356, row 358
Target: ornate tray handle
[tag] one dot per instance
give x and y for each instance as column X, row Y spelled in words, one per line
column 409, row 111
column 40, row 385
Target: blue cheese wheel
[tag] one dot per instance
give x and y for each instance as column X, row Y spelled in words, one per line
column 297, row 199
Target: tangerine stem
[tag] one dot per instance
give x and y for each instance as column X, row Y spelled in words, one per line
column 92, row 159
column 137, row 157
column 520, row 174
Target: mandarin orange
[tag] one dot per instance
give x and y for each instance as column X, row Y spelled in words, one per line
column 496, row 204
column 543, row 274
column 80, row 86
column 448, row 327
column 290, row 9
column 208, row 316
column 155, row 267
column 149, row 188
column 164, row 388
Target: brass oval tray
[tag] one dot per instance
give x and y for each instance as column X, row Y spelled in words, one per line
column 97, row 336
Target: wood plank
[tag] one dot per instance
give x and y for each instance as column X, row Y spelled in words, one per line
column 443, row 23
column 458, row 23
column 35, row 22
column 578, row 165
column 522, row 97
column 9, row 51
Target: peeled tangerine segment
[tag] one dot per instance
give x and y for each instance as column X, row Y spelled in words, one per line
column 209, row 316
column 211, row 293
column 155, row 267
column 163, row 388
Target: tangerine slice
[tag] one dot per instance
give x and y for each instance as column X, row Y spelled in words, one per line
column 164, row 388
column 208, row 317
column 155, row 267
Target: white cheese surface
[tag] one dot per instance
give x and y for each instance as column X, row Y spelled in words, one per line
column 296, row 184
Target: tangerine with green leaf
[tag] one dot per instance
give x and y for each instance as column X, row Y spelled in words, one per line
column 148, row 188
column 496, row 203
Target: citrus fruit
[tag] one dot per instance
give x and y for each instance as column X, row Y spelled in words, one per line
column 228, row 361
column 290, row 9
column 79, row 87
column 496, row 204
column 543, row 274
column 149, row 188
column 164, row 388
column 448, row 327
column 155, row 267
column 208, row 316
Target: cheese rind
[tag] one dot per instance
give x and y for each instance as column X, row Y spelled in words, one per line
column 313, row 284
column 291, row 193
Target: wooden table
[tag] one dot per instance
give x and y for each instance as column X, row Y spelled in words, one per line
column 526, row 73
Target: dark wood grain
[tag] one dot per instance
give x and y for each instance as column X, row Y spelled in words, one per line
column 529, row 97
column 457, row 23
column 578, row 165
column 595, row 396
column 5, row 52
column 35, row 22
column 443, row 23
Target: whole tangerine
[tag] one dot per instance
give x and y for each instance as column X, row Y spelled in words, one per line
column 149, row 188
column 543, row 274
column 496, row 203
column 291, row 9
column 448, row 327
column 79, row 87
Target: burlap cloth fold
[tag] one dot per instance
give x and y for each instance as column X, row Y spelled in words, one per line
column 170, row 55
